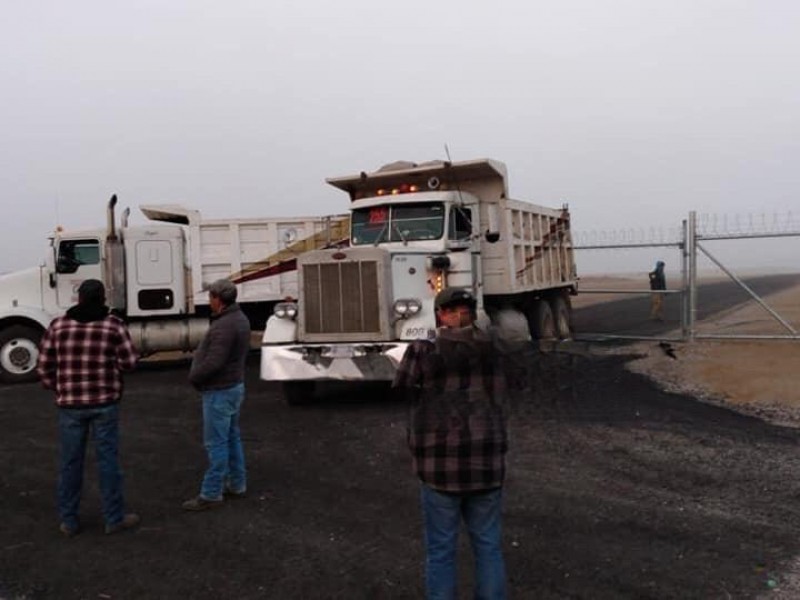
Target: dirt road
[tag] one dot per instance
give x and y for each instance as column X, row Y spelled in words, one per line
column 616, row 490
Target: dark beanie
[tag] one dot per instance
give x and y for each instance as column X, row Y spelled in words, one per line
column 92, row 291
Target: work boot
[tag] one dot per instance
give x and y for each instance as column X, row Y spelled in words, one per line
column 129, row 521
column 200, row 503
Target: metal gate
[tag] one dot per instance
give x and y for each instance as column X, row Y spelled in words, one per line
column 689, row 241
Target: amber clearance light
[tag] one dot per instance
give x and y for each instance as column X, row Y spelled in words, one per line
column 404, row 188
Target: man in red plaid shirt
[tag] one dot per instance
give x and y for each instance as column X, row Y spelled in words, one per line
column 82, row 357
column 458, row 440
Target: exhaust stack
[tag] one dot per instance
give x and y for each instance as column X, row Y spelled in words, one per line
column 111, row 230
column 114, row 262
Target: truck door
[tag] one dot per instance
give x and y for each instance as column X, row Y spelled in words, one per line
column 76, row 261
column 465, row 268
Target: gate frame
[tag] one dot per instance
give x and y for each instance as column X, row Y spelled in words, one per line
column 689, row 246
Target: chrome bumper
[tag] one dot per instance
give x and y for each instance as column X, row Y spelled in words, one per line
column 344, row 362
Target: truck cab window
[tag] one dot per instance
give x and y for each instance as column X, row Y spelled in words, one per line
column 460, row 226
column 75, row 253
column 398, row 223
column 370, row 224
column 412, row 222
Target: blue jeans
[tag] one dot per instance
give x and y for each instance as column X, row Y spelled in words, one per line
column 442, row 514
column 223, row 442
column 74, row 425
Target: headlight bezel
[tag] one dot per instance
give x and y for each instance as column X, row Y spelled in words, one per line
column 406, row 307
column 286, row 310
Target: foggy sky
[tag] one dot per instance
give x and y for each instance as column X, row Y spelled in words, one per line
column 632, row 111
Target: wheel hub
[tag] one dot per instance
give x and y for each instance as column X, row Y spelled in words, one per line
column 20, row 357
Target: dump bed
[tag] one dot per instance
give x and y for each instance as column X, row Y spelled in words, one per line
column 534, row 252
column 257, row 254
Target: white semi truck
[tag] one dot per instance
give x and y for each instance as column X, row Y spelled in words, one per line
column 415, row 229
column 156, row 276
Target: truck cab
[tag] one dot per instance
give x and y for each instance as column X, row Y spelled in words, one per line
column 156, row 276
column 142, row 268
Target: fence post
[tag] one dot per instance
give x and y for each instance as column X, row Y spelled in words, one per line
column 684, row 303
column 691, row 245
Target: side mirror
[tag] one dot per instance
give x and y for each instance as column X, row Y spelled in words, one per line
column 492, row 236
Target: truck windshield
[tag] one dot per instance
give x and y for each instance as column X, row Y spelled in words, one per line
column 397, row 223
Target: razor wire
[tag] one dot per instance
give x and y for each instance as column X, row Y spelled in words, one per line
column 709, row 226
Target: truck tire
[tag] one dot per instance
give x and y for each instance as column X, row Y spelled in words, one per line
column 540, row 321
column 297, row 393
column 562, row 317
column 511, row 324
column 19, row 352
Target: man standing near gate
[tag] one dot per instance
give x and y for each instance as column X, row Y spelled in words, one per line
column 658, row 282
column 458, row 440
column 218, row 373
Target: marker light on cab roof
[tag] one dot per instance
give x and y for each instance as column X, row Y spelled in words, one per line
column 403, row 188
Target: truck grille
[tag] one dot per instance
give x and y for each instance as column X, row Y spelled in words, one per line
column 341, row 297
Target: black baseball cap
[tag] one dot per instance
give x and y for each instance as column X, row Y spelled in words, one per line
column 453, row 297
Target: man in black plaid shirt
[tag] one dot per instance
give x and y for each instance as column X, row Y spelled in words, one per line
column 458, row 440
column 82, row 357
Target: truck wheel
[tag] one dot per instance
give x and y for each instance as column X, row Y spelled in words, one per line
column 512, row 325
column 19, row 352
column 540, row 321
column 562, row 316
column 296, row 393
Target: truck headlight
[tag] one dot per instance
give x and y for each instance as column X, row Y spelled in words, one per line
column 285, row 310
column 407, row 307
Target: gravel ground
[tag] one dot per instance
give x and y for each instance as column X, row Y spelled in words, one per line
column 617, row 488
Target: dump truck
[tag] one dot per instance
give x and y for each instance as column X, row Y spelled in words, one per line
column 415, row 229
column 156, row 276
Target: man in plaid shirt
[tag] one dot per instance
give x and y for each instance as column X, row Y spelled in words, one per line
column 458, row 440
column 82, row 357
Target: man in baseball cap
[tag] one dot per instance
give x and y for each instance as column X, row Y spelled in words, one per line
column 458, row 441
column 455, row 307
